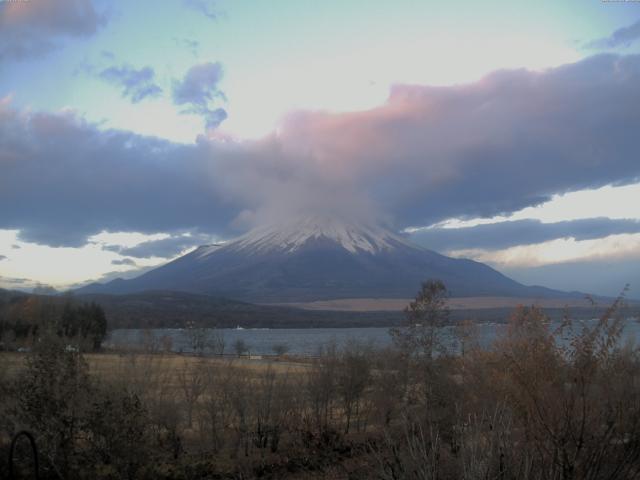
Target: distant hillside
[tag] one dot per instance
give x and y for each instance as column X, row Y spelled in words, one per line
column 5, row 295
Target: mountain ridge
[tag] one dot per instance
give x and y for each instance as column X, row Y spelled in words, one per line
column 319, row 258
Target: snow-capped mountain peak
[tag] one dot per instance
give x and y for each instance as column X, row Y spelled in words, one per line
column 291, row 236
column 319, row 258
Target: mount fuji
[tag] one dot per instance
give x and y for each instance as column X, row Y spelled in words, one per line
column 319, row 258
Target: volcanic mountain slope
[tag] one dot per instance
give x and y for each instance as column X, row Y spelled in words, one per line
column 319, row 258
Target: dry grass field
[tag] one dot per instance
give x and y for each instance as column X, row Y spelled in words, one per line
column 460, row 303
column 138, row 367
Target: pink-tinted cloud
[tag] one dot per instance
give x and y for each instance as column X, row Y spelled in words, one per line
column 34, row 27
column 495, row 146
column 492, row 147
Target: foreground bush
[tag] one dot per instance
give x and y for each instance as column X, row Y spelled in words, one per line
column 544, row 401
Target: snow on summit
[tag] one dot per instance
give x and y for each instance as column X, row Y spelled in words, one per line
column 291, row 236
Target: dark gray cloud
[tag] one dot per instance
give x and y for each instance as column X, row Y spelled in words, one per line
column 623, row 37
column 11, row 282
column 198, row 92
column 62, row 180
column 136, row 84
column 165, row 248
column 205, row 7
column 520, row 232
column 123, row 261
column 33, row 28
column 3, row 257
column 509, row 141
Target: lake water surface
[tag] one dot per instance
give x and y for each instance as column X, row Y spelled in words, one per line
column 298, row 341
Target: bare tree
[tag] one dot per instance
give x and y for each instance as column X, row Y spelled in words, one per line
column 424, row 318
column 321, row 386
column 390, row 385
column 203, row 340
column 280, row 349
column 241, row 395
column 218, row 408
column 215, row 342
column 412, row 453
column 192, row 380
column 353, row 378
column 240, row 346
column 467, row 336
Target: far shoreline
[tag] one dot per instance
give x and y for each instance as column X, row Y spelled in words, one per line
column 455, row 303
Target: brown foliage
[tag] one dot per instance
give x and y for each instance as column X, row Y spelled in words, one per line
column 545, row 401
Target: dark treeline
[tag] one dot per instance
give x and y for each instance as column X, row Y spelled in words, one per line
column 157, row 309
column 163, row 309
column 26, row 318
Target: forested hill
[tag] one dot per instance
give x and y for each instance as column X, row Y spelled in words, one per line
column 166, row 309
column 24, row 318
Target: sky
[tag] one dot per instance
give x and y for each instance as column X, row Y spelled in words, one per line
column 506, row 132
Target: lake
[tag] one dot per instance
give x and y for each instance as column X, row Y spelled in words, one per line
column 297, row 341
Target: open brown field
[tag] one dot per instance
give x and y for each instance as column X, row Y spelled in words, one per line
column 460, row 303
column 130, row 366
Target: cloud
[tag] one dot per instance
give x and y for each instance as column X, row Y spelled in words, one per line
column 623, row 37
column 198, row 91
column 136, row 84
column 63, row 180
column 33, row 28
column 506, row 142
column 3, row 257
column 509, row 141
column 188, row 43
column 508, row 234
column 205, row 7
column 123, row 261
column 12, row 282
column 561, row 250
column 164, row 248
column 108, row 55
